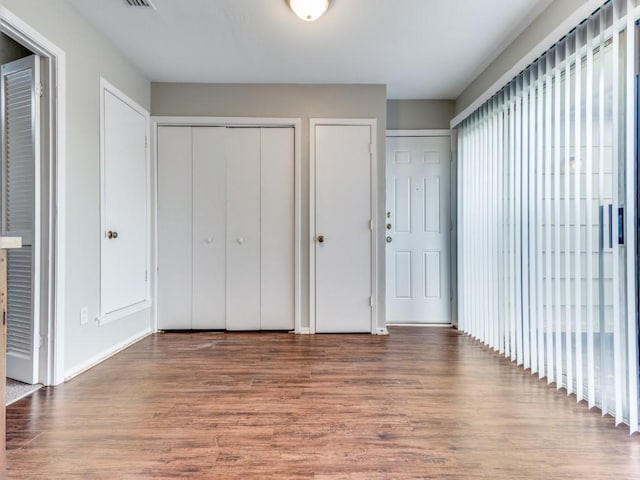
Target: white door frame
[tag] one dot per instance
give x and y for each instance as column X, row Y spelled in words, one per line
column 372, row 123
column 452, row 210
column 51, row 368
column 296, row 124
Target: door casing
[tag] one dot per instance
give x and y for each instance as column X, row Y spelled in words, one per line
column 53, row 154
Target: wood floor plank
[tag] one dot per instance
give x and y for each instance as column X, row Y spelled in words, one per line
column 423, row 403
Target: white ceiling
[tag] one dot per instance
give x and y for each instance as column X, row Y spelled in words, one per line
column 418, row 48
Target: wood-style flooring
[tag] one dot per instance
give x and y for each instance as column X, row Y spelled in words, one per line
column 422, row 403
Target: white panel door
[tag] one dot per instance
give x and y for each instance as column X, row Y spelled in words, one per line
column 243, row 229
column 124, row 259
column 343, row 235
column 417, row 230
column 175, row 244
column 277, row 229
column 20, row 214
column 209, row 239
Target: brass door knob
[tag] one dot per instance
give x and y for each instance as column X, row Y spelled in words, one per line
column 320, row 238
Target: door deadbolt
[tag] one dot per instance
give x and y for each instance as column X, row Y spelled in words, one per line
column 388, row 226
column 389, row 239
column 112, row 235
column 320, row 238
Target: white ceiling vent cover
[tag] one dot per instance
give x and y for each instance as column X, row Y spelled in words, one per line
column 140, row 3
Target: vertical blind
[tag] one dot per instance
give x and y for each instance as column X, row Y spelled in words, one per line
column 546, row 216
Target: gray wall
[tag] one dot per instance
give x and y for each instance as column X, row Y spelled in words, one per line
column 419, row 114
column 89, row 55
column 543, row 25
column 10, row 50
column 297, row 101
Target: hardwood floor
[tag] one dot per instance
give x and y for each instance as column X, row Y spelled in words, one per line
column 421, row 403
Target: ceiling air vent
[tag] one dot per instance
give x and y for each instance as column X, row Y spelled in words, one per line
column 140, row 4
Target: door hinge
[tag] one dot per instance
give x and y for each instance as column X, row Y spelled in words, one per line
column 41, row 341
column 146, row 142
column 370, row 225
column 371, row 301
column 371, row 148
column 40, row 89
column 146, row 275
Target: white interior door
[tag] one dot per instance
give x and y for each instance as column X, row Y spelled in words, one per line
column 20, row 213
column 343, row 237
column 417, row 250
column 243, row 229
column 124, row 253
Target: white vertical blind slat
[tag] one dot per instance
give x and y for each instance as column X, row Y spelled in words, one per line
column 617, row 353
column 539, row 223
column 514, row 315
column 532, row 326
column 577, row 177
column 548, row 245
column 557, row 220
column 589, row 274
column 601, row 211
column 630, row 227
column 526, row 259
column 567, row 218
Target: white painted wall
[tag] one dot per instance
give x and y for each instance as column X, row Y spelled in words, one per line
column 89, row 55
column 545, row 30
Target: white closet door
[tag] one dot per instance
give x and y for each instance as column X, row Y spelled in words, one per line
column 342, row 228
column 209, row 257
column 174, row 228
column 277, row 235
column 20, row 213
column 243, row 229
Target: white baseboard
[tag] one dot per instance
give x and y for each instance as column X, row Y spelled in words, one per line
column 304, row 331
column 102, row 356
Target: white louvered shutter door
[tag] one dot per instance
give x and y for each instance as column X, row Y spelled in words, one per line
column 20, row 161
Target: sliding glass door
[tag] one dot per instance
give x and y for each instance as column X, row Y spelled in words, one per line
column 547, row 253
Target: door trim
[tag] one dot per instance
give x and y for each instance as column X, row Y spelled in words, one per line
column 453, row 210
column 189, row 121
column 372, row 124
column 53, row 214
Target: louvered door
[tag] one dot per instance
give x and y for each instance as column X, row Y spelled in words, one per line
column 20, row 167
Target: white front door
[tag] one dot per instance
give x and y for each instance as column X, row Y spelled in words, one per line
column 417, row 230
column 342, row 229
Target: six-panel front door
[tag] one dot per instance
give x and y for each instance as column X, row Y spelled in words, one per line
column 417, row 230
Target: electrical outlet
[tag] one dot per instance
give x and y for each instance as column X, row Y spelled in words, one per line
column 84, row 315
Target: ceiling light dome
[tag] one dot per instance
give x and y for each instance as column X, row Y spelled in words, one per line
column 309, row 10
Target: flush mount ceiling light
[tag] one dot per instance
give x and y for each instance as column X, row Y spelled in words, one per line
column 309, row 10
